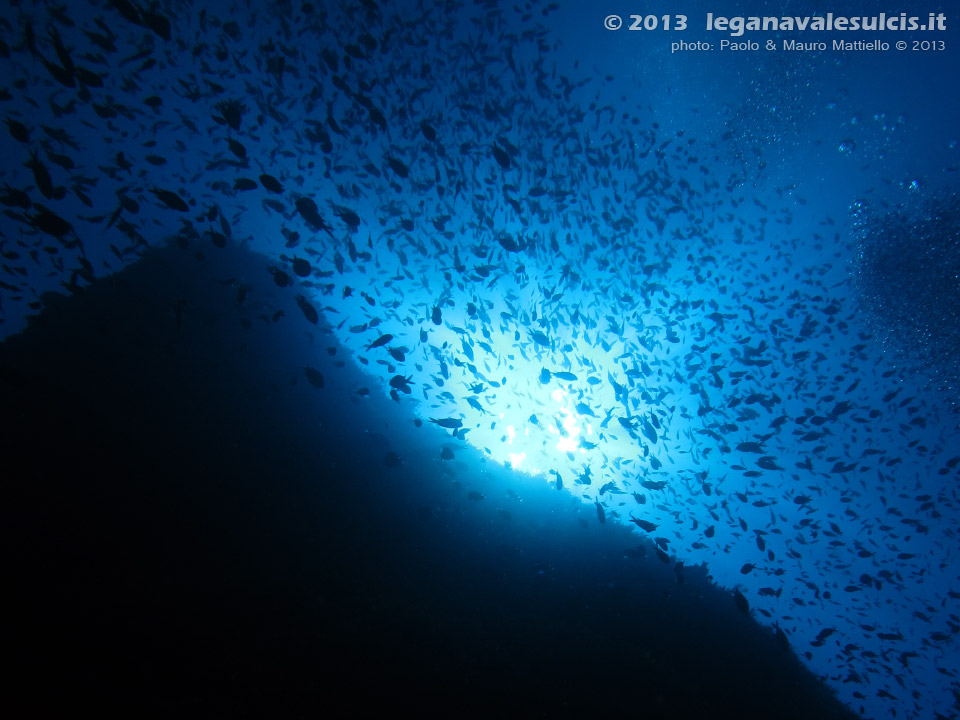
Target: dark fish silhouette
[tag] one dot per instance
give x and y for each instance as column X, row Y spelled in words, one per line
column 380, row 341
column 314, row 377
column 645, row 525
column 18, row 130
column 309, row 212
column 398, row 167
column 301, row 267
column 271, row 183
column 309, row 312
column 171, row 200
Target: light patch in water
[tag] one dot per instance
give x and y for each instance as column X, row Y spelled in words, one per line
column 568, row 442
column 610, row 402
column 516, row 459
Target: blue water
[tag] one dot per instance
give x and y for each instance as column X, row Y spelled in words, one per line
column 629, row 274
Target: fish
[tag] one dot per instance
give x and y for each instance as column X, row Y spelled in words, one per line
column 473, row 402
column 14, row 197
column 308, row 310
column 584, row 410
column 607, row 487
column 301, row 267
column 314, row 377
column 309, row 211
column 349, row 217
column 449, row 423
column 50, row 223
column 170, row 200
column 380, row 341
column 644, row 525
column 236, row 147
column 540, row 339
column 503, row 160
column 741, row 603
column 558, row 478
column 271, row 183
column 42, row 178
column 18, row 131
column 768, row 463
column 401, row 383
column 398, row 167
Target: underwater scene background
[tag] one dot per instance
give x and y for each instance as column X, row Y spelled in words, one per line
column 477, row 357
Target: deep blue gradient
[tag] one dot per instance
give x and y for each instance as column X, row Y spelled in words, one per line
column 709, row 297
